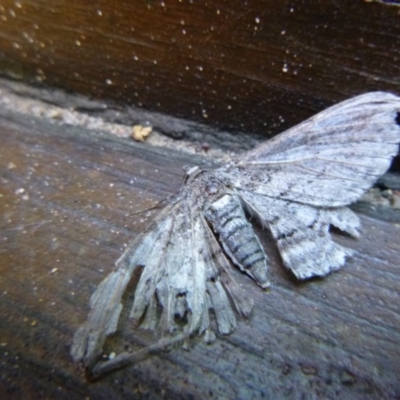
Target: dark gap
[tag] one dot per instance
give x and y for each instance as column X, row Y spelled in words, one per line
column 336, row 231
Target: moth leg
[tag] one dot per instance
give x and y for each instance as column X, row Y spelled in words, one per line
column 121, row 360
column 237, row 237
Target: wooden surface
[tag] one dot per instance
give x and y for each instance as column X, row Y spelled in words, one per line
column 65, row 216
column 255, row 66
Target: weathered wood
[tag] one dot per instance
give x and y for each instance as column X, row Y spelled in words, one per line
column 65, row 214
column 256, row 66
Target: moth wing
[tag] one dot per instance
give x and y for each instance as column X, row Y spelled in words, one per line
column 191, row 276
column 302, row 233
column 299, row 182
column 105, row 302
column 331, row 159
column 178, row 287
column 171, row 292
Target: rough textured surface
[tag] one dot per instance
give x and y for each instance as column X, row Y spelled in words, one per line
column 257, row 66
column 65, row 212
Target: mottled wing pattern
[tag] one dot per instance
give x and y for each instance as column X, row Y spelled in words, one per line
column 185, row 275
column 190, row 276
column 302, row 233
column 299, row 182
column 105, row 302
column 329, row 160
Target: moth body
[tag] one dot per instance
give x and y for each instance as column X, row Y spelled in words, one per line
column 237, row 237
column 297, row 185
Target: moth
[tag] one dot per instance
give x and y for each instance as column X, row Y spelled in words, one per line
column 297, row 185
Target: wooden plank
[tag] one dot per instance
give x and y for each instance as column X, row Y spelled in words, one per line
column 258, row 66
column 65, row 215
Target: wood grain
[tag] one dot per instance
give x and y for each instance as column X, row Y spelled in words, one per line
column 67, row 198
column 258, row 66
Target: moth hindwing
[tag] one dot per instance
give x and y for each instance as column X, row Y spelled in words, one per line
column 297, row 185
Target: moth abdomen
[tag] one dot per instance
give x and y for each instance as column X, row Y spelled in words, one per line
column 237, row 237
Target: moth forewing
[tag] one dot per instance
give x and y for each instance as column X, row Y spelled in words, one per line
column 370, row 117
column 196, row 292
column 105, row 302
column 329, row 160
column 298, row 184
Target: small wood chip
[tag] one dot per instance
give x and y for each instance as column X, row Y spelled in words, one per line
column 140, row 132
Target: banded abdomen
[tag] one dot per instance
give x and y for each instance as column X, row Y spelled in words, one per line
column 237, row 237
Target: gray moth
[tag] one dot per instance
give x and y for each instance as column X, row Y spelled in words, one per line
column 297, row 185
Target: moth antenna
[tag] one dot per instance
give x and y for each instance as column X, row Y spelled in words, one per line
column 155, row 207
column 190, row 175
